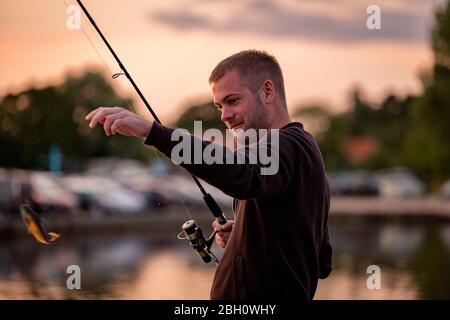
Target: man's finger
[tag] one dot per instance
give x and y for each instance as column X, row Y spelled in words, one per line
column 99, row 116
column 120, row 125
column 226, row 227
column 93, row 112
column 90, row 114
column 215, row 225
column 220, row 243
column 223, row 227
column 109, row 119
column 223, row 235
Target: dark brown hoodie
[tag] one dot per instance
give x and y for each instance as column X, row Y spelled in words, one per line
column 279, row 246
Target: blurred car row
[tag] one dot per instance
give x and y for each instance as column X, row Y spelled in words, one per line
column 131, row 190
column 130, row 187
column 397, row 182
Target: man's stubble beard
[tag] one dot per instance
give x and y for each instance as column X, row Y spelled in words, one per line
column 258, row 115
column 256, row 120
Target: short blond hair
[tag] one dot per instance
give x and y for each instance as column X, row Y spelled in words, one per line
column 254, row 67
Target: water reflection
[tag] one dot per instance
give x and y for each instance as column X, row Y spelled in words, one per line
column 395, row 248
column 414, row 262
column 430, row 265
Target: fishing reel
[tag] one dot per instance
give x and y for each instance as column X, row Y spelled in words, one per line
column 194, row 234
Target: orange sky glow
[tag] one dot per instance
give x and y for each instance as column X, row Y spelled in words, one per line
column 170, row 47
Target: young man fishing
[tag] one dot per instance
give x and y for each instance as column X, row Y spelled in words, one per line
column 278, row 246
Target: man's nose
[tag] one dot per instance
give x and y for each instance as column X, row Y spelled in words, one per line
column 227, row 114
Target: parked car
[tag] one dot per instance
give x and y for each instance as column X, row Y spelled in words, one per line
column 41, row 190
column 445, row 190
column 357, row 182
column 146, row 184
column 48, row 195
column 105, row 194
column 400, row 183
column 5, row 191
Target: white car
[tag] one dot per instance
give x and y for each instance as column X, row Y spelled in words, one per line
column 400, row 183
column 445, row 190
column 109, row 194
column 49, row 194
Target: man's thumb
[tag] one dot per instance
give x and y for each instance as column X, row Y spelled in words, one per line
column 226, row 227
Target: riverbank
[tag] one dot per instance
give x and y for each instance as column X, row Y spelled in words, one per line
column 412, row 208
column 169, row 220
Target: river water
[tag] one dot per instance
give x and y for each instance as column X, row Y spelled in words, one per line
column 413, row 261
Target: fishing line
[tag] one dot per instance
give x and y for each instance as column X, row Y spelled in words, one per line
column 190, row 228
column 127, row 103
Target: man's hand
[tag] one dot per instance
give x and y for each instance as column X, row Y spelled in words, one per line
column 223, row 232
column 118, row 120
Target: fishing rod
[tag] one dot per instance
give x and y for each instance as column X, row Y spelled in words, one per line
column 190, row 228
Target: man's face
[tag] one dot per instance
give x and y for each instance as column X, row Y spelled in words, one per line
column 240, row 108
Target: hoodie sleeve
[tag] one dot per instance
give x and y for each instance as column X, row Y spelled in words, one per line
column 325, row 257
column 239, row 180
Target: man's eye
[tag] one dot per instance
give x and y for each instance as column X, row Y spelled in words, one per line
column 233, row 101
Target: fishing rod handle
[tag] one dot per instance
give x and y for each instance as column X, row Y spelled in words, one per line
column 215, row 209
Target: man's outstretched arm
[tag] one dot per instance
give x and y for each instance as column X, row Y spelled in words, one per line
column 242, row 181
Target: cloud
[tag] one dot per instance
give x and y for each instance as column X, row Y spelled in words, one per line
column 272, row 18
column 182, row 20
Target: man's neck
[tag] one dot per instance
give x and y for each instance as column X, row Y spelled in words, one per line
column 280, row 120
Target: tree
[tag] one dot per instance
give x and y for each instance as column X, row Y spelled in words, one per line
column 206, row 112
column 426, row 149
column 384, row 125
column 35, row 119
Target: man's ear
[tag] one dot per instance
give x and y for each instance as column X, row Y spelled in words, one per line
column 268, row 91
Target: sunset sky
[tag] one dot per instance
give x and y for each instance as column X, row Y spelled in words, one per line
column 170, row 47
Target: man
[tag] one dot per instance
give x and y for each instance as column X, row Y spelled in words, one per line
column 278, row 245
